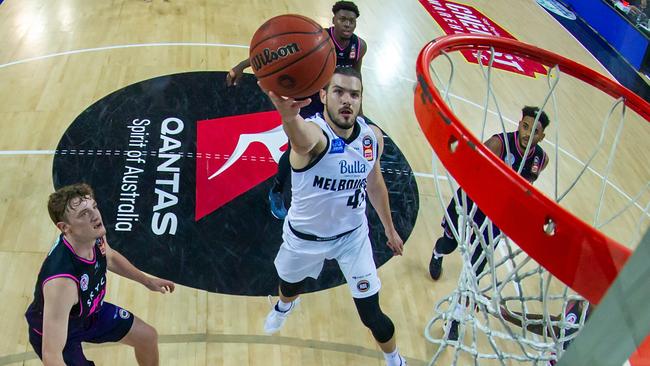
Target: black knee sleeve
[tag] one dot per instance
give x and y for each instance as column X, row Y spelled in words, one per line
column 481, row 266
column 291, row 289
column 444, row 245
column 380, row 325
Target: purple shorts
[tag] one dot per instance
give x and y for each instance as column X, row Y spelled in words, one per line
column 110, row 324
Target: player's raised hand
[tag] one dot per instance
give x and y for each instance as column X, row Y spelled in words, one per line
column 233, row 76
column 394, row 242
column 160, row 285
column 288, row 107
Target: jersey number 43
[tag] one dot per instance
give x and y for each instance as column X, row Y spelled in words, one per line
column 357, row 198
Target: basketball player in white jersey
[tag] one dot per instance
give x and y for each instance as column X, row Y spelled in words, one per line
column 335, row 164
column 350, row 49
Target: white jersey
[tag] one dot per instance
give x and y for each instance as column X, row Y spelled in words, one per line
column 329, row 194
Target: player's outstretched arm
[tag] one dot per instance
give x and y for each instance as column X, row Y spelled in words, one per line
column 378, row 195
column 60, row 295
column 306, row 139
column 121, row 266
column 495, row 145
column 515, row 318
column 236, row 72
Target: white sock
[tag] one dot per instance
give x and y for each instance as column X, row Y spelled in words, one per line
column 437, row 255
column 393, row 358
column 283, row 306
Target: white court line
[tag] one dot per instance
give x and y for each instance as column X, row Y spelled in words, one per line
column 431, row 176
column 26, row 152
column 546, row 142
column 54, row 152
column 565, row 152
column 190, row 44
column 96, row 49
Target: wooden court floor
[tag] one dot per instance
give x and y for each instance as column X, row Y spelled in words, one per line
column 59, row 57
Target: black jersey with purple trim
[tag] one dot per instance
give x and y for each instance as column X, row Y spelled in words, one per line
column 515, row 154
column 89, row 275
column 573, row 316
column 348, row 56
column 345, row 57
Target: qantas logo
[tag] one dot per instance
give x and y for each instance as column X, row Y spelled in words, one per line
column 235, row 154
column 273, row 140
column 196, row 157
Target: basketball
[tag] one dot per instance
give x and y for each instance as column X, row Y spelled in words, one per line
column 292, row 56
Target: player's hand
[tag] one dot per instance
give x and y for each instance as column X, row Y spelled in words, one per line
column 395, row 243
column 160, row 285
column 234, row 75
column 288, row 107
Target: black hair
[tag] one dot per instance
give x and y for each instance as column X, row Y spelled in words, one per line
column 347, row 71
column 529, row 111
column 345, row 5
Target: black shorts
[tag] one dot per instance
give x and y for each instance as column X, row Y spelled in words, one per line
column 479, row 219
column 110, row 324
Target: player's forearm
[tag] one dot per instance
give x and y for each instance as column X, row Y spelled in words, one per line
column 378, row 196
column 517, row 320
column 121, row 266
column 53, row 350
column 244, row 64
column 52, row 359
column 302, row 138
column 60, row 295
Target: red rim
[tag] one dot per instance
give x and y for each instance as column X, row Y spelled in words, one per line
column 590, row 261
column 577, row 254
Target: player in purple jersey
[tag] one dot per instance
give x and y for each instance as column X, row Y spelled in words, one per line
column 68, row 306
column 509, row 147
column 575, row 311
column 350, row 50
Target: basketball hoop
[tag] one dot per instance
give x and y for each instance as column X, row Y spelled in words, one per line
column 563, row 246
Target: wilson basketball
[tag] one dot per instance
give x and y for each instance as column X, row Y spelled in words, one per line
column 292, row 55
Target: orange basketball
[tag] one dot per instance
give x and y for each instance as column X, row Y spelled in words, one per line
column 292, row 55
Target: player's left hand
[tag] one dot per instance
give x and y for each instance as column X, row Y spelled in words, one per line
column 160, row 285
column 395, row 243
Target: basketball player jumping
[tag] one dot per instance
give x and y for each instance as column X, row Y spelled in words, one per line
column 335, row 164
column 68, row 306
column 350, row 50
column 510, row 148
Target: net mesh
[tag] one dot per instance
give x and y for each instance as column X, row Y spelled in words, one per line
column 515, row 311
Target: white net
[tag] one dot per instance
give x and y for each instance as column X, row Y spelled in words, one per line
column 513, row 311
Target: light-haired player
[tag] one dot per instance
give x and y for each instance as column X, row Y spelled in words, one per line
column 68, row 306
